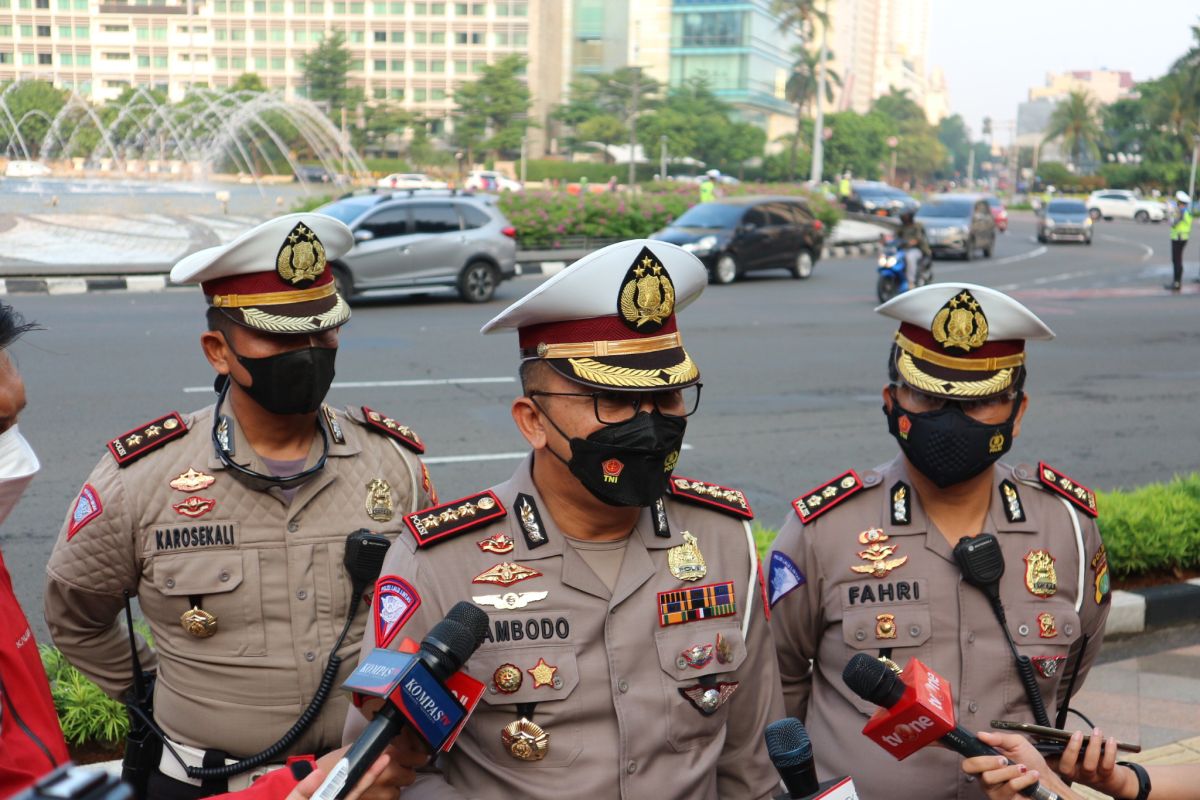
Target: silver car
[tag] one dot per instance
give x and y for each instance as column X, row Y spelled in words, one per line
column 420, row 241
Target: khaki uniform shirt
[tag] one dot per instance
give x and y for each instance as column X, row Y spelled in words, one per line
column 270, row 571
column 619, row 726
column 935, row 616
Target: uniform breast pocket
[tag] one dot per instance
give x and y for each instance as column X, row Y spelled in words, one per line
column 535, row 682
column 1045, row 631
column 224, row 584
column 903, row 629
column 698, row 662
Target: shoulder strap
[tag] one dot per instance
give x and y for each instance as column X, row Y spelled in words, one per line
column 816, row 502
column 132, row 445
column 450, row 519
column 388, row 426
column 719, row 498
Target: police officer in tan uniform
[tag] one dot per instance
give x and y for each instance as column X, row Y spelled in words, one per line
column 867, row 563
column 628, row 654
column 229, row 524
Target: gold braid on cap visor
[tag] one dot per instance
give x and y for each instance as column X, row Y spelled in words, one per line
column 948, row 388
column 964, row 364
column 272, row 298
column 650, row 344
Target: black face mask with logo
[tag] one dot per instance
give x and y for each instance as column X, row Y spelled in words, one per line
column 946, row 445
column 629, row 463
column 294, row 382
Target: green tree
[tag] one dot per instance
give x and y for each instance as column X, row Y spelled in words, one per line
column 603, row 128
column 325, row 73
column 799, row 15
column 248, row 81
column 801, row 91
column 605, row 94
column 952, row 133
column 1074, row 123
column 858, row 142
column 1190, row 61
column 743, row 142
column 33, row 105
column 899, row 106
column 695, row 121
column 493, row 111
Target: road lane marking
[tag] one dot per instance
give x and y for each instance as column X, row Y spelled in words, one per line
column 1034, row 253
column 1008, row 287
column 1149, row 251
column 386, row 384
column 490, row 457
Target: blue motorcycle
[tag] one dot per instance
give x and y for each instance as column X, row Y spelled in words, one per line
column 893, row 271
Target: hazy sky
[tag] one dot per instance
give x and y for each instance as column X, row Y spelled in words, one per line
column 993, row 51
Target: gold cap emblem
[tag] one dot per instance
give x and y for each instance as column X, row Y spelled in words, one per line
column 960, row 323
column 301, row 259
column 647, row 295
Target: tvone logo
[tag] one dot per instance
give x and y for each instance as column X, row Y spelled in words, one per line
column 934, row 685
column 907, row 732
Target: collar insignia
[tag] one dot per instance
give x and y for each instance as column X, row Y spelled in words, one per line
column 901, row 504
column 1010, row 498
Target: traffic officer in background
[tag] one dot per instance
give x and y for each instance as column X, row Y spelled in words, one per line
column 873, row 562
column 230, row 523
column 628, row 654
column 1181, row 229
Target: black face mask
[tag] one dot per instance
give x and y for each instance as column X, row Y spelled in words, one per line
column 627, row 464
column 946, row 445
column 294, row 382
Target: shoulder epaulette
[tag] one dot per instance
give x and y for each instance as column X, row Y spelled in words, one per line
column 132, row 445
column 719, row 498
column 1077, row 493
column 450, row 519
column 813, row 504
column 401, row 433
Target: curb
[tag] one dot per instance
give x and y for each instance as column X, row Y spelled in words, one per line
column 159, row 282
column 1140, row 610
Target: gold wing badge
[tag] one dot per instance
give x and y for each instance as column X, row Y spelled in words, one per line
column 880, row 561
column 647, row 297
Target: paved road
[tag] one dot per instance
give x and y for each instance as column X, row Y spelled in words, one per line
column 792, row 370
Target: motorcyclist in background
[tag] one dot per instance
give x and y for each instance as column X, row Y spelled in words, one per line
column 917, row 253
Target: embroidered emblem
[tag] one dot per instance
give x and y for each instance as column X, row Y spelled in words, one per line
column 647, row 295
column 379, row 500
column 1046, row 626
column 879, row 558
column 87, row 507
column 885, row 626
column 192, row 481
column 960, row 323
column 507, row 678
column 1100, row 581
column 509, row 601
column 506, row 574
column 785, row 577
column 132, row 445
column 720, row 498
column 697, row 656
column 194, row 506
column 662, row 529
column 700, row 602
column 1040, row 577
column 1010, row 498
column 395, row 602
column 707, row 699
column 525, row 741
column 685, row 561
column 1047, row 666
column 811, row 505
column 531, row 522
column 401, row 433
column 301, row 257
column 467, row 513
column 498, row 542
column 612, row 470
column 901, row 504
column 335, row 427
column 904, row 425
column 996, row 443
column 544, row 675
column 1059, row 483
column 724, row 650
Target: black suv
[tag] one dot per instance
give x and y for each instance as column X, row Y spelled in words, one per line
column 743, row 234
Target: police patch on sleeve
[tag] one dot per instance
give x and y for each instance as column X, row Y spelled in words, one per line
column 395, row 602
column 785, row 577
column 87, row 507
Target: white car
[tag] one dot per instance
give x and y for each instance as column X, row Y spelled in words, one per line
column 1124, row 204
column 486, row 180
column 410, row 180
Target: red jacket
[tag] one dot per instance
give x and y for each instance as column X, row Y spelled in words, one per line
column 31, row 743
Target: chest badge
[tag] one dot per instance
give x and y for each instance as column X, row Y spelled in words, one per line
column 506, row 574
column 1040, row 577
column 194, row 506
column 686, row 561
column 697, row 656
column 525, row 740
column 885, row 626
column 724, row 650
column 707, row 699
column 379, row 500
column 877, row 555
column 496, row 543
column 507, row 678
column 1047, row 629
column 192, row 481
column 198, row 622
column 544, row 674
column 509, row 601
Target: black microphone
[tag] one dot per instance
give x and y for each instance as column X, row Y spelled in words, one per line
column 443, row 651
column 791, row 752
column 875, row 682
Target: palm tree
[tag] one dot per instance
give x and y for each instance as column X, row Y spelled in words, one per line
column 801, row 91
column 799, row 15
column 1173, row 103
column 1190, row 61
column 1074, row 122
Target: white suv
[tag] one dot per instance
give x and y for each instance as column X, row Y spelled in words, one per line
column 1124, row 204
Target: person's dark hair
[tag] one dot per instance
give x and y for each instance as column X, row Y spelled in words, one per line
column 534, row 374
column 218, row 320
column 907, row 216
column 13, row 326
column 893, row 371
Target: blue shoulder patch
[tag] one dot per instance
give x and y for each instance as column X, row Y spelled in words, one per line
column 784, row 577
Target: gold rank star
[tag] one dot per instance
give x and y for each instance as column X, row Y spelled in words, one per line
column 133, row 441
column 153, row 431
column 543, row 674
column 639, row 271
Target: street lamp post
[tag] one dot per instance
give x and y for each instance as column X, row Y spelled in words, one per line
column 662, row 156
column 633, row 106
column 818, row 154
column 893, row 142
column 1195, row 156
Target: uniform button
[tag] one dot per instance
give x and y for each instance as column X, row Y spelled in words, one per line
column 860, row 635
column 302, row 594
column 170, row 583
column 310, row 656
column 224, row 576
column 622, row 686
column 632, row 767
column 293, row 527
column 970, row 779
column 1023, row 630
column 1068, row 629
column 971, row 637
column 972, row 706
column 914, row 631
